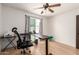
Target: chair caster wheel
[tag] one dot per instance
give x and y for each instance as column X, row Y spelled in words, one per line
column 29, row 51
column 21, row 52
column 24, row 52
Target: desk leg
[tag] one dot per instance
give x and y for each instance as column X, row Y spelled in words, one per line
column 8, row 45
column 12, row 43
column 46, row 43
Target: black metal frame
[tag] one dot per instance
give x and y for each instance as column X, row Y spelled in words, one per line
column 10, row 40
column 46, row 43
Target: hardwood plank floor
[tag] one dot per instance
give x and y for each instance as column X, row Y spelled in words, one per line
column 54, row 47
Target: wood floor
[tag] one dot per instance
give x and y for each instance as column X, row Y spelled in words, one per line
column 54, row 47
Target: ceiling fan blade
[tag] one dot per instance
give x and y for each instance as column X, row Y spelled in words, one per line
column 39, row 8
column 50, row 10
column 42, row 12
column 55, row 5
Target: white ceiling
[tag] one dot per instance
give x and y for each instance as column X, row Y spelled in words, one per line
column 31, row 7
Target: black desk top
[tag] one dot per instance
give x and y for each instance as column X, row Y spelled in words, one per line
column 2, row 37
column 37, row 35
column 41, row 36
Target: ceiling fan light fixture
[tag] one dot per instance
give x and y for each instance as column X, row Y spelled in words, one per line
column 48, row 7
column 42, row 12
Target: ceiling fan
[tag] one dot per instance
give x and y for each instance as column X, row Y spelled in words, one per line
column 47, row 6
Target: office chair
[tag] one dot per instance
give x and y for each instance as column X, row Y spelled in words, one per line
column 23, row 43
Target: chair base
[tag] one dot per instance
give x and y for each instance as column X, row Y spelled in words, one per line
column 26, row 52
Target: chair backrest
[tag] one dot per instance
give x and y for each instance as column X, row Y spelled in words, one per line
column 15, row 31
column 26, row 35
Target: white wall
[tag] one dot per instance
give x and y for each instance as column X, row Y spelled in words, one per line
column 0, row 24
column 13, row 18
column 45, row 26
column 63, row 27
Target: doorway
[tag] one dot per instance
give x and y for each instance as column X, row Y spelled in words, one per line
column 77, row 31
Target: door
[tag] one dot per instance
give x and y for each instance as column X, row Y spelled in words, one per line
column 77, row 31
